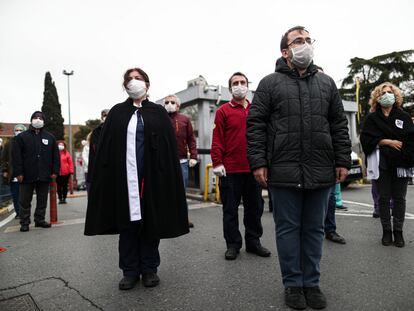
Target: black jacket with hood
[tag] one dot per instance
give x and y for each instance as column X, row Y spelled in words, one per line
column 297, row 128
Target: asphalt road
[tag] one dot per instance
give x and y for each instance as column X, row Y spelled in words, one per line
column 61, row 269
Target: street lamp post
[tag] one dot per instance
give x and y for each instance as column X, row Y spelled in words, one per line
column 68, row 74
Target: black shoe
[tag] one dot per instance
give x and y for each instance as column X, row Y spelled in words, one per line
column 375, row 215
column 335, row 237
column 258, row 250
column 60, row 201
column 386, row 238
column 17, row 217
column 24, row 228
column 314, row 297
column 295, row 298
column 128, row 282
column 150, row 279
column 344, row 208
column 398, row 239
column 190, row 224
column 231, row 253
column 43, row 224
column 64, row 201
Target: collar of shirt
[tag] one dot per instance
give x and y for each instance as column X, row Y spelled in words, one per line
column 235, row 104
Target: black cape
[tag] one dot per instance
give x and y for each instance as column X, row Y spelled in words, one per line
column 398, row 126
column 163, row 204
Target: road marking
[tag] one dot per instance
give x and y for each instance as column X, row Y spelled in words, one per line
column 8, row 219
column 60, row 224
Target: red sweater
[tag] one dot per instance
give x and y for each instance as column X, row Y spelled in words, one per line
column 229, row 146
column 66, row 165
column 184, row 133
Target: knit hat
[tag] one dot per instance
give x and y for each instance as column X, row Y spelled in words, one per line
column 37, row 114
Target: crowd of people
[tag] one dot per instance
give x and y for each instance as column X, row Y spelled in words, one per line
column 292, row 140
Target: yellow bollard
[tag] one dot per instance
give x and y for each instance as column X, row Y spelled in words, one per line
column 208, row 166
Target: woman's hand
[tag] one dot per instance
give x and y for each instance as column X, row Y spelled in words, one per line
column 396, row 144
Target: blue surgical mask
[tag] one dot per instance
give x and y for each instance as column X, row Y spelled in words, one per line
column 387, row 100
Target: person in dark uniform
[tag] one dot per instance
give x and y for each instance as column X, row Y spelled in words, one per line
column 136, row 161
column 35, row 162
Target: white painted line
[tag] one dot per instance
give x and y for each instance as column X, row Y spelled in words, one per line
column 7, row 220
column 358, row 203
column 60, row 224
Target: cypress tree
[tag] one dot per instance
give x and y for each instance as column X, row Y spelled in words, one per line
column 52, row 109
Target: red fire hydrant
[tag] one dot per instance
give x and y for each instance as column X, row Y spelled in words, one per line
column 53, row 202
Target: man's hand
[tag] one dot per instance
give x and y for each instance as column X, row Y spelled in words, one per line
column 260, row 174
column 53, row 176
column 192, row 163
column 219, row 171
column 20, row 178
column 5, row 174
column 341, row 173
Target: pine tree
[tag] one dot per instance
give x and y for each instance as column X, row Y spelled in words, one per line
column 52, row 109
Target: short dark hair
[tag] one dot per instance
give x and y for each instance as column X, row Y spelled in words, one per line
column 140, row 71
column 284, row 40
column 238, row 73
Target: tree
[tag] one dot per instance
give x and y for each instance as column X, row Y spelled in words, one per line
column 52, row 109
column 395, row 67
column 84, row 130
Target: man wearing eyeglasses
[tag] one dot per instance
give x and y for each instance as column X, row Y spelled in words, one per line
column 298, row 147
column 186, row 143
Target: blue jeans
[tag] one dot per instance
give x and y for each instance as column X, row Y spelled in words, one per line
column 299, row 216
column 184, row 171
column 14, row 189
column 330, row 222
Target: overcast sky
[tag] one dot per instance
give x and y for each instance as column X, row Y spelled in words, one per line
column 175, row 41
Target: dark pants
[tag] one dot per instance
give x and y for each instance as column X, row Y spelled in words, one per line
column 375, row 196
column 25, row 198
column 390, row 186
column 62, row 186
column 233, row 187
column 14, row 189
column 299, row 216
column 137, row 255
column 330, row 221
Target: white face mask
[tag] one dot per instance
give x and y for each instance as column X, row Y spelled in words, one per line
column 302, row 56
column 61, row 147
column 136, row 89
column 170, row 108
column 239, row 91
column 37, row 123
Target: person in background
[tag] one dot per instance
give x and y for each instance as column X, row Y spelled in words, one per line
column 85, row 159
column 186, row 142
column 137, row 189
column 330, row 221
column 93, row 145
column 387, row 139
column 35, row 163
column 298, row 147
column 7, row 169
column 228, row 153
column 66, row 169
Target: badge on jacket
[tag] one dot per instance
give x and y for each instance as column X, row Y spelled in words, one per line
column 45, row 142
column 399, row 123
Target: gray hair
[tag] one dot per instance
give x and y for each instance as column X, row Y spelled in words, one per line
column 177, row 100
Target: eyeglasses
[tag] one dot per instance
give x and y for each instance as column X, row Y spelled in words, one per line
column 170, row 102
column 301, row 41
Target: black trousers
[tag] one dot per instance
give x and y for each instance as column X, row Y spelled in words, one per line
column 137, row 255
column 25, row 198
column 233, row 188
column 62, row 186
column 390, row 186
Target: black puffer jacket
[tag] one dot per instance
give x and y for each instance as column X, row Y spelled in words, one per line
column 297, row 129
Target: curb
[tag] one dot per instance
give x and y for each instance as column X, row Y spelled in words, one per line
column 7, row 209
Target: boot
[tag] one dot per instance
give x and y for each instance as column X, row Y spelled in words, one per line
column 386, row 238
column 398, row 239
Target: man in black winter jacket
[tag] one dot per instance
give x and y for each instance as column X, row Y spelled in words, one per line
column 35, row 162
column 298, row 147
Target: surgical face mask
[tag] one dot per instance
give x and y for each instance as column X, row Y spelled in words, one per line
column 302, row 56
column 170, row 107
column 387, row 100
column 17, row 132
column 136, row 89
column 61, row 147
column 37, row 123
column 239, row 91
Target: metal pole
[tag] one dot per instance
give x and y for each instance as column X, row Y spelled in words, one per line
column 68, row 74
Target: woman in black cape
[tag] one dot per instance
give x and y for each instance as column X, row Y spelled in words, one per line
column 137, row 189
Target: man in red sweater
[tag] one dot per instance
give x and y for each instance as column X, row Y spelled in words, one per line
column 186, row 143
column 229, row 155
